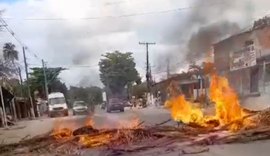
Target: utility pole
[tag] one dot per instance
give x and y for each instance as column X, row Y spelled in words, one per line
column 148, row 72
column 21, row 81
column 45, row 79
column 27, row 84
column 168, row 68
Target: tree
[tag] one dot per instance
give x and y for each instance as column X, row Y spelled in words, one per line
column 10, row 53
column 5, row 69
column 36, row 80
column 117, row 70
column 8, row 64
column 139, row 90
column 91, row 95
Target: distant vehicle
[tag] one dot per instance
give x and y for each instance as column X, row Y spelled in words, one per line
column 115, row 104
column 79, row 108
column 57, row 104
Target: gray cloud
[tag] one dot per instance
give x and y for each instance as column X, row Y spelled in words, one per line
column 179, row 35
column 201, row 41
column 207, row 22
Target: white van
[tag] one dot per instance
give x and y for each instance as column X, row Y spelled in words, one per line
column 57, row 104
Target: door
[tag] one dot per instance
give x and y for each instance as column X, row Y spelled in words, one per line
column 254, row 80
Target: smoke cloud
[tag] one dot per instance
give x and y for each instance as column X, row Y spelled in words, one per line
column 200, row 42
column 208, row 22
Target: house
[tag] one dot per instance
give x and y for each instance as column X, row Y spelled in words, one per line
column 244, row 59
column 188, row 84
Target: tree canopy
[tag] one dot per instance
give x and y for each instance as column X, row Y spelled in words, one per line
column 91, row 95
column 9, row 52
column 8, row 66
column 36, row 80
column 117, row 70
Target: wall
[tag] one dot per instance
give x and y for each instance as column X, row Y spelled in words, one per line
column 240, row 79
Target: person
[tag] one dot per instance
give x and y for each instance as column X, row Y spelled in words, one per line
column 2, row 117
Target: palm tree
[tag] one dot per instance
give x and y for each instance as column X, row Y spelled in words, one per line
column 10, row 53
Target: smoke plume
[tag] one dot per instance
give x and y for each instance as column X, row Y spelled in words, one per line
column 200, row 42
column 206, row 23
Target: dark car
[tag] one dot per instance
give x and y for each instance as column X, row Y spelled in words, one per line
column 115, row 104
column 79, row 108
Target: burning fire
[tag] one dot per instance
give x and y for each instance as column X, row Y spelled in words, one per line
column 227, row 106
column 226, row 102
column 184, row 111
column 88, row 136
column 60, row 130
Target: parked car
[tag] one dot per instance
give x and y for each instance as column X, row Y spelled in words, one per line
column 79, row 108
column 57, row 105
column 115, row 104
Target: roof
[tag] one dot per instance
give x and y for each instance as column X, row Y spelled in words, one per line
column 182, row 76
column 250, row 30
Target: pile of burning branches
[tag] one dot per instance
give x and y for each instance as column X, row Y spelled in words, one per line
column 229, row 124
column 138, row 137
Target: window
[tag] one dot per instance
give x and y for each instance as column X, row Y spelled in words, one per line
column 59, row 100
column 249, row 42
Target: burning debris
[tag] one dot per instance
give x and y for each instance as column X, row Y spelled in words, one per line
column 139, row 138
column 229, row 124
column 227, row 107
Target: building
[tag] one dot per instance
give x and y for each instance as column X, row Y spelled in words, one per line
column 188, row 84
column 244, row 59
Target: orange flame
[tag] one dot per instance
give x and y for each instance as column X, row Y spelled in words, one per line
column 227, row 106
column 129, row 124
column 63, row 133
column 89, row 122
column 226, row 101
column 182, row 110
column 62, row 130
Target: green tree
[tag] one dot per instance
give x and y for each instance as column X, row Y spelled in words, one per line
column 10, row 53
column 91, row 95
column 36, row 80
column 8, row 65
column 117, row 70
column 139, row 90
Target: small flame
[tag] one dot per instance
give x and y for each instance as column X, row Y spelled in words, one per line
column 130, row 124
column 61, row 130
column 89, row 122
column 95, row 141
column 63, row 133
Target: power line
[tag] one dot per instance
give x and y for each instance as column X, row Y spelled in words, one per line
column 10, row 31
column 119, row 16
column 67, row 66
column 16, row 38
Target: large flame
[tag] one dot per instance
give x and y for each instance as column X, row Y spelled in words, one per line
column 184, row 111
column 227, row 106
column 226, row 101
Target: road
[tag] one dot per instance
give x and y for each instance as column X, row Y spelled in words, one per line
column 27, row 129
column 101, row 119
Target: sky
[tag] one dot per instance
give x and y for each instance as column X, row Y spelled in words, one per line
column 75, row 33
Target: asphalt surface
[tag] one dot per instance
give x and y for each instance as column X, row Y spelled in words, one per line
column 101, row 119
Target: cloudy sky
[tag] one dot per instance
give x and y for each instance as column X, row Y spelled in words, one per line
column 75, row 33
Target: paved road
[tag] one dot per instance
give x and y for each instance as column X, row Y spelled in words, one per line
column 102, row 119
